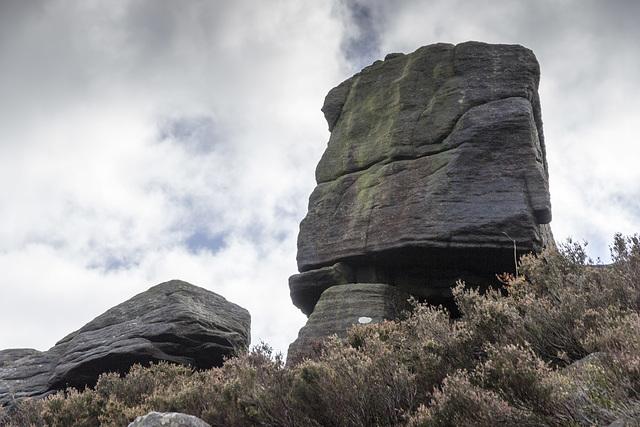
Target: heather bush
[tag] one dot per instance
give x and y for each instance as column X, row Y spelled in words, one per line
column 557, row 345
column 567, row 300
column 355, row 385
column 459, row 402
column 426, row 342
column 519, row 376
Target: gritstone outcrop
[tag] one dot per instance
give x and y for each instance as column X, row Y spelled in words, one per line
column 435, row 169
column 174, row 321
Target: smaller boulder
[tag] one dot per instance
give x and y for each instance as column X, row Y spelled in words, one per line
column 168, row 419
column 174, row 321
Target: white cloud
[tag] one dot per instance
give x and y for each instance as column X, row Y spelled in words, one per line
column 101, row 199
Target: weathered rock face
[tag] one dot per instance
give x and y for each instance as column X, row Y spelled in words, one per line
column 174, row 321
column 436, row 164
column 306, row 288
column 25, row 373
column 441, row 148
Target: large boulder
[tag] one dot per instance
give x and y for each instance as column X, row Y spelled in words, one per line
column 173, row 321
column 434, row 171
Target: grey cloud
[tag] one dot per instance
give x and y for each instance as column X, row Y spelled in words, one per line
column 362, row 31
column 198, row 134
column 203, row 240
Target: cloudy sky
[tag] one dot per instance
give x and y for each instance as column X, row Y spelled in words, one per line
column 142, row 141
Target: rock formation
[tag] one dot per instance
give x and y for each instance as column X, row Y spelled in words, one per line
column 434, row 170
column 173, row 321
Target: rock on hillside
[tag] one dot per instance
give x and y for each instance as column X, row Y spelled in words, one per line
column 435, row 166
column 173, row 321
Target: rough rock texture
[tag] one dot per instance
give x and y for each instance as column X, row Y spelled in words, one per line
column 26, row 373
column 342, row 306
column 174, row 321
column 306, row 288
column 168, row 419
column 435, row 166
column 438, row 149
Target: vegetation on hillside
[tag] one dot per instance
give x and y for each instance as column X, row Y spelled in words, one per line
column 559, row 345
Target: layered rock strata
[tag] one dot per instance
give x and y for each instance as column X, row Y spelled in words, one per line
column 434, row 170
column 173, row 321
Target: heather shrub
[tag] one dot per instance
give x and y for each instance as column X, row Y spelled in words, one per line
column 25, row 413
column 73, row 408
column 590, row 392
column 115, row 400
column 557, row 345
column 459, row 402
column 426, row 342
column 518, row 375
column 563, row 299
column 625, row 253
column 490, row 317
column 249, row 390
column 356, row 385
